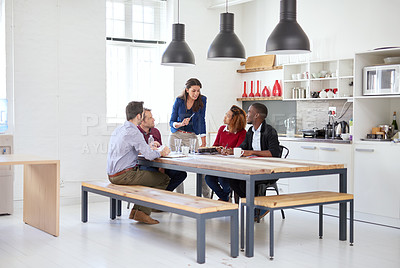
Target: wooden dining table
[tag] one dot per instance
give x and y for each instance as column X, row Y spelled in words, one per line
column 252, row 170
column 41, row 207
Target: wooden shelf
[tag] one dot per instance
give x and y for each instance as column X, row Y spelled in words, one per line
column 259, row 69
column 259, row 98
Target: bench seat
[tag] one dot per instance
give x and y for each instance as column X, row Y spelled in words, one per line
column 299, row 199
column 318, row 198
column 192, row 206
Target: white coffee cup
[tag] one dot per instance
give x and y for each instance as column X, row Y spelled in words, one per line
column 185, row 150
column 238, row 152
column 345, row 136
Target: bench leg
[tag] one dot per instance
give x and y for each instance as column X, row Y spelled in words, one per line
column 342, row 207
column 271, row 234
column 235, row 234
column 84, row 206
column 321, row 212
column 119, row 208
column 242, row 227
column 351, row 222
column 113, row 206
column 201, row 240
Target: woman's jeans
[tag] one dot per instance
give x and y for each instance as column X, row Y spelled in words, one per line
column 220, row 186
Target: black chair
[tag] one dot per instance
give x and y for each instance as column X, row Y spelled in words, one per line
column 263, row 187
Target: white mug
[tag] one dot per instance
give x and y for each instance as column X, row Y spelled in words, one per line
column 238, row 152
column 185, row 150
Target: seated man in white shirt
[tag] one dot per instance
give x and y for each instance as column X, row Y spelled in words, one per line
column 261, row 140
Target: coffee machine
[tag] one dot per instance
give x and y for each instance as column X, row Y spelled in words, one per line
column 330, row 127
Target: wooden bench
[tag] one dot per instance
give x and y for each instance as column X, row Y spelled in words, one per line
column 183, row 204
column 276, row 202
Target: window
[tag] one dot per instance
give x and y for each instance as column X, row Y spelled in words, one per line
column 3, row 90
column 136, row 38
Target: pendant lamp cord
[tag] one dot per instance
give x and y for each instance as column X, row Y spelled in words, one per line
column 226, row 6
column 178, row 11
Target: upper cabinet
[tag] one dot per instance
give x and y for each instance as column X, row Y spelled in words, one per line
column 372, row 110
column 319, row 80
column 373, row 58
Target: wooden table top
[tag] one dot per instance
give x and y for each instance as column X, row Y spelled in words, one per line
column 20, row 159
column 249, row 166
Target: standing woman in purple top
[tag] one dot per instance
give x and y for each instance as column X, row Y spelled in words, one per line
column 188, row 117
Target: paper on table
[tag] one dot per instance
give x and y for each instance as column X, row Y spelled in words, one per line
column 174, row 155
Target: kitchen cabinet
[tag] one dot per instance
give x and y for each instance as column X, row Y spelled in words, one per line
column 376, row 168
column 325, row 152
column 371, row 111
column 377, row 179
column 312, row 77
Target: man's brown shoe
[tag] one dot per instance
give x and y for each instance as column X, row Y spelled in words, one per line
column 156, row 210
column 132, row 213
column 262, row 215
column 140, row 216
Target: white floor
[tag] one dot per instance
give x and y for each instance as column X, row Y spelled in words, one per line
column 124, row 243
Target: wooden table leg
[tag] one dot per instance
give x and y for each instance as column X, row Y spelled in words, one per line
column 42, row 196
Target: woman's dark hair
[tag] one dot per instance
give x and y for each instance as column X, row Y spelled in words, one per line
column 133, row 109
column 238, row 120
column 198, row 103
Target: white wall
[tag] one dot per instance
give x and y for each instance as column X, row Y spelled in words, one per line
column 59, row 78
column 336, row 29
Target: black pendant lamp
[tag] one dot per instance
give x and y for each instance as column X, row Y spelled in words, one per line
column 226, row 45
column 288, row 37
column 178, row 53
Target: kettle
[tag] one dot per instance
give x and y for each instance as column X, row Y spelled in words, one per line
column 341, row 127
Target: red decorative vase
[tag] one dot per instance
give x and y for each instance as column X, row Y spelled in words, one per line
column 258, row 89
column 244, row 95
column 277, row 91
column 251, row 90
column 265, row 92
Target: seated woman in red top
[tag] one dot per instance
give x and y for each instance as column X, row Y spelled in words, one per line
column 230, row 135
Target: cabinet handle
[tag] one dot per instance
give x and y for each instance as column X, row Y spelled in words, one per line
column 364, row 150
column 328, row 149
column 309, row 147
